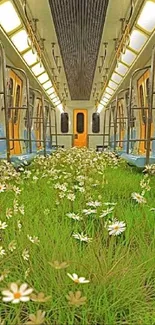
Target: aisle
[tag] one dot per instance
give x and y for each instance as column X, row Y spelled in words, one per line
column 78, row 228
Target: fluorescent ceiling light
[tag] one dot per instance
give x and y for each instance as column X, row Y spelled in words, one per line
column 47, row 85
column 56, row 99
column 112, row 85
column 102, row 102
column 105, row 99
column 9, row 18
column 107, row 95
column 137, row 40
column 30, row 57
column 50, row 91
column 44, row 77
column 20, row 40
column 99, row 108
column 121, row 69
column 109, row 90
column 116, row 78
column 60, row 107
column 38, row 69
column 57, row 102
column 128, row 57
column 53, row 95
column 146, row 19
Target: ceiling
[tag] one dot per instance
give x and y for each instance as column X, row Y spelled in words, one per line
column 79, row 26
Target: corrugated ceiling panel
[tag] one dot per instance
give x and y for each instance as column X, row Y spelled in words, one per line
column 79, row 27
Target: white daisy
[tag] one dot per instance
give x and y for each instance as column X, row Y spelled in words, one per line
column 2, row 187
column 106, row 212
column 94, row 204
column 12, row 246
column 3, row 225
column 73, row 216
column 77, row 279
column 116, row 228
column 71, row 196
column 33, row 239
column 25, row 255
column 2, row 251
column 16, row 294
column 87, row 212
column 138, row 198
column 82, row 237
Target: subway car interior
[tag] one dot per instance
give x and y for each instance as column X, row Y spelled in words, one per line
column 77, row 162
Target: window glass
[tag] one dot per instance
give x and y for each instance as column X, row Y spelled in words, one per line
column 64, row 122
column 95, row 123
column 17, row 103
column 10, row 97
column 80, row 123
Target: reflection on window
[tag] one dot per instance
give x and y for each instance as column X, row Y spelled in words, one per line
column 10, row 97
column 80, row 123
column 95, row 123
column 17, row 103
column 64, row 122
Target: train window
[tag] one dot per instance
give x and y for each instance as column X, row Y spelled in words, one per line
column 64, row 122
column 147, row 91
column 17, row 104
column 80, row 122
column 31, row 107
column 95, row 123
column 10, row 97
column 141, row 92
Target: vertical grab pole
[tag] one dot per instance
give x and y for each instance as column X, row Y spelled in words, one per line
column 104, row 127
column 129, row 116
column 115, row 123
column 149, row 121
column 5, row 101
column 44, row 127
column 110, row 110
column 50, row 125
column 56, row 133
column 28, row 114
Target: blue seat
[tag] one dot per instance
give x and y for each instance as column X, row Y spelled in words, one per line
column 137, row 160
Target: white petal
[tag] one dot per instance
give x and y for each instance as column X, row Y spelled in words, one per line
column 24, row 299
column 27, row 292
column 23, row 287
column 75, row 276
column 14, row 287
column 7, row 293
column 16, row 301
column 7, row 299
column 70, row 276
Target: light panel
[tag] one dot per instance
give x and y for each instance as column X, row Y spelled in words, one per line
column 146, row 19
column 43, row 78
column 109, row 90
column 105, row 99
column 47, row 85
column 121, row 69
column 60, row 107
column 20, row 40
column 30, row 57
column 99, row 108
column 38, row 69
column 50, row 91
column 53, row 95
column 54, row 100
column 57, row 102
column 9, row 18
column 112, row 85
column 137, row 40
column 116, row 78
column 107, row 95
column 128, row 57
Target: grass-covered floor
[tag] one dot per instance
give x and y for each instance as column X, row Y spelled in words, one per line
column 72, row 194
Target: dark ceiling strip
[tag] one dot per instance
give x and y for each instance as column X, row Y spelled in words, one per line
column 79, row 27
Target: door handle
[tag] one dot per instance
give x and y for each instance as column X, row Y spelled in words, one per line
column 75, row 136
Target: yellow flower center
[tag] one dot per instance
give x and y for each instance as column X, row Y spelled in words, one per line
column 116, row 227
column 17, row 295
column 76, row 280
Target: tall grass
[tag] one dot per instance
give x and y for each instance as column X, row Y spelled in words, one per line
column 121, row 269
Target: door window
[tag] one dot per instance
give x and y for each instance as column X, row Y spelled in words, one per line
column 80, row 123
column 17, row 104
column 10, row 97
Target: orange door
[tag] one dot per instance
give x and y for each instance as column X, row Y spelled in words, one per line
column 15, row 100
column 80, row 128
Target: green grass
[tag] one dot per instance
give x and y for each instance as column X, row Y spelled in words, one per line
column 121, row 269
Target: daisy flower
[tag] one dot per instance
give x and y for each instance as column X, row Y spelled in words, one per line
column 2, row 187
column 89, row 211
column 76, row 298
column 74, row 277
column 2, row 251
column 116, row 228
column 59, row 265
column 73, row 216
column 106, row 212
column 33, row 239
column 16, row 294
column 82, row 237
column 3, row 225
column 138, row 198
